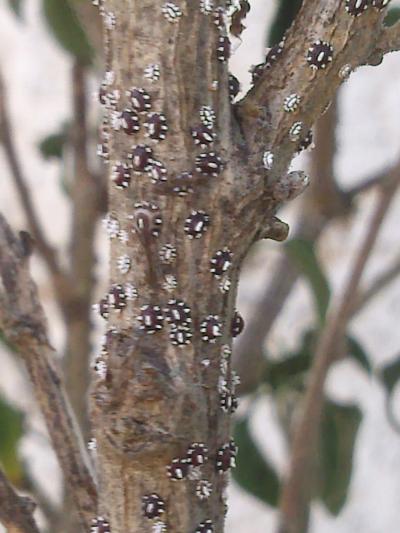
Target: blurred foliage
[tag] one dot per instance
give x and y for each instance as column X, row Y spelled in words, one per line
column 339, row 427
column 286, row 378
column 390, row 375
column 393, row 15
column 357, row 352
column 253, row 472
column 11, row 431
column 67, row 29
column 16, row 6
column 302, row 253
column 290, row 370
column 285, row 14
column 52, row 146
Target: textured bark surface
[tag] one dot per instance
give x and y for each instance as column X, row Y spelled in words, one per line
column 23, row 323
column 154, row 402
column 16, row 512
column 156, row 399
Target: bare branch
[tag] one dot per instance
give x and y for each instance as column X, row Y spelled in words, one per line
column 16, row 512
column 91, row 22
column 388, row 41
column 85, row 213
column 60, row 281
column 322, row 202
column 376, row 286
column 296, row 492
column 23, row 323
column 265, row 121
column 368, row 183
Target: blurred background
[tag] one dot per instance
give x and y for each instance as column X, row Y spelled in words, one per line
column 284, row 290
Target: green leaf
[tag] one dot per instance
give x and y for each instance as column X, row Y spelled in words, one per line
column 357, row 352
column 67, row 29
column 303, row 255
column 282, row 373
column 393, row 15
column 340, row 424
column 390, row 375
column 291, row 369
column 11, row 431
column 16, row 6
column 52, row 145
column 253, row 473
column 285, row 14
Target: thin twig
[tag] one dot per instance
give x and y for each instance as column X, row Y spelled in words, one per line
column 23, row 323
column 296, row 492
column 376, row 286
column 16, row 512
column 60, row 280
column 248, row 356
column 85, row 214
column 368, row 183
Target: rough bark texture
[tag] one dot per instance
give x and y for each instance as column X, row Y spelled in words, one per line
column 16, row 512
column 23, row 324
column 152, row 401
column 156, row 399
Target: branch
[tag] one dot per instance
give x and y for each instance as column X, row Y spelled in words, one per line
column 60, row 281
column 322, row 203
column 23, row 323
column 85, row 214
column 16, row 512
column 296, row 494
column 388, row 41
column 91, row 22
column 264, row 121
column 368, row 183
column 377, row 286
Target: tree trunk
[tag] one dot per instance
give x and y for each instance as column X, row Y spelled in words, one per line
column 194, row 181
column 158, row 401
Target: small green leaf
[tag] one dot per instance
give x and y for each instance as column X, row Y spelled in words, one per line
column 11, row 431
column 253, row 473
column 290, row 370
column 393, row 15
column 16, row 6
column 340, row 424
column 303, row 255
column 390, row 375
column 357, row 352
column 282, row 373
column 67, row 29
column 52, row 145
